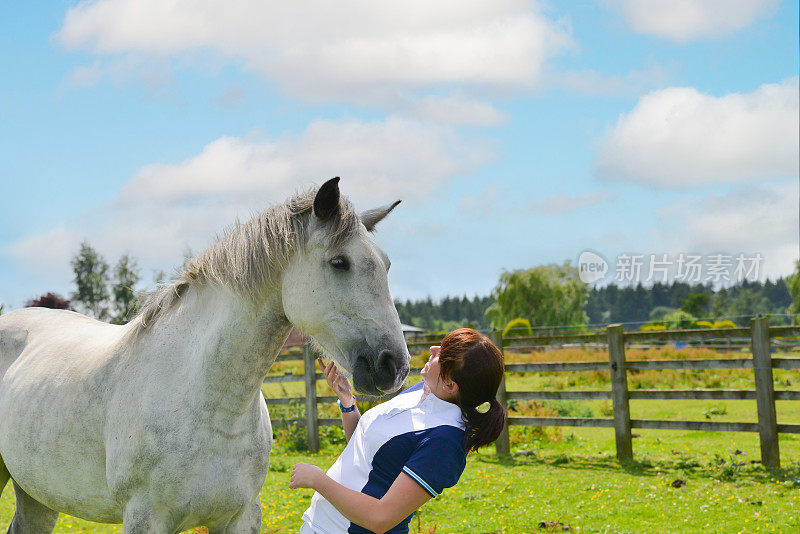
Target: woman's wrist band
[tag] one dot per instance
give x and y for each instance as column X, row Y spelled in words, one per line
column 347, row 410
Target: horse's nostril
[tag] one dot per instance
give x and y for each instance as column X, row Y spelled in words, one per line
column 387, row 365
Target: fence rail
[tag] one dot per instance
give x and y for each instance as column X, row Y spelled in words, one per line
column 614, row 339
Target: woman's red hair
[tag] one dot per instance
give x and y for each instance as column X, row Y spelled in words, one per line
column 471, row 360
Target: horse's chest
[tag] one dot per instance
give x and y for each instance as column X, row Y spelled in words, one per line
column 206, row 471
column 212, row 495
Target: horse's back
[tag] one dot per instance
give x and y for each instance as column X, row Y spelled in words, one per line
column 52, row 331
column 54, row 370
column 13, row 335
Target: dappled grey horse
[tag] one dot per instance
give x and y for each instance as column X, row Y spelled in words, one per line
column 160, row 423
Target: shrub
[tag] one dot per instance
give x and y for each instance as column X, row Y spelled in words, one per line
column 286, row 427
column 50, row 300
column 518, row 327
column 569, row 408
column 332, row 435
column 679, row 320
column 717, row 409
column 652, row 326
column 660, row 311
column 724, row 470
column 561, row 459
column 703, row 324
column 724, row 324
column 524, row 436
column 278, row 465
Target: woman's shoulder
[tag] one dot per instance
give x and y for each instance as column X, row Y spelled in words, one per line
column 444, row 432
column 412, row 389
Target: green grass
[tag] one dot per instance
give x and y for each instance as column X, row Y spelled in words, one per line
column 576, row 481
column 571, row 476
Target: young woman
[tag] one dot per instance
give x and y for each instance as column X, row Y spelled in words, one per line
column 401, row 453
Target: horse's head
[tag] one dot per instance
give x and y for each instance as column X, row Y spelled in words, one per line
column 335, row 289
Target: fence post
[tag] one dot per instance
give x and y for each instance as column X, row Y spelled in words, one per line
column 310, row 379
column 503, row 444
column 765, row 392
column 619, row 392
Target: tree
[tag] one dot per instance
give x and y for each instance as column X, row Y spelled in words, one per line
column 793, row 283
column 91, row 280
column 695, row 304
column 747, row 302
column 547, row 295
column 50, row 300
column 126, row 301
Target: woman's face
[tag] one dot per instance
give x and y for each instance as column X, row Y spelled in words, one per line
column 431, row 374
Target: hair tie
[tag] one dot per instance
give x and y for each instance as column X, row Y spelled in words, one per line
column 482, row 408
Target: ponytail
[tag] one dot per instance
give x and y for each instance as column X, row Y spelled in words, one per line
column 483, row 428
column 472, row 361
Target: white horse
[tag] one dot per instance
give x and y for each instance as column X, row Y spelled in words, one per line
column 160, row 424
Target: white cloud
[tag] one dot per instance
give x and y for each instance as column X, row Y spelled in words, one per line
column 749, row 219
column 688, row 20
column 41, row 251
column 231, row 97
column 355, row 50
column 457, row 111
column 393, row 158
column 86, row 75
column 478, row 204
column 679, row 137
column 166, row 207
column 155, row 75
column 560, row 204
column 593, row 82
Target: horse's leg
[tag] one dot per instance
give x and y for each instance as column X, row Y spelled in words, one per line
column 247, row 523
column 4, row 475
column 31, row 516
column 140, row 518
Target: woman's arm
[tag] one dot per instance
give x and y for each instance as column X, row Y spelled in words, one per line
column 378, row 515
column 341, row 387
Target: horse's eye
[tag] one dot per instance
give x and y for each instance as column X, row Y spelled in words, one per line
column 340, row 263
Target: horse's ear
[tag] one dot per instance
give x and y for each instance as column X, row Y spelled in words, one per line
column 327, row 200
column 372, row 217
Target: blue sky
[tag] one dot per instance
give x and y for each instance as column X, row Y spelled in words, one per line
column 517, row 133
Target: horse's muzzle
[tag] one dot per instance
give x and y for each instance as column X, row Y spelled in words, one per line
column 380, row 375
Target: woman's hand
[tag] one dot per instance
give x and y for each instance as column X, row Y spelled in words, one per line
column 337, row 382
column 305, row 476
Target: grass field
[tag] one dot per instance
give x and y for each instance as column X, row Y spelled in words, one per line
column 680, row 481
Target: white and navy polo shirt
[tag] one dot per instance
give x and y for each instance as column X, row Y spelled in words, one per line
column 416, row 433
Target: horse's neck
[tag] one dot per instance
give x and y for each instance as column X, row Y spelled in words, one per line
column 230, row 346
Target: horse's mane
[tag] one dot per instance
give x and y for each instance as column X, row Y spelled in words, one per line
column 248, row 256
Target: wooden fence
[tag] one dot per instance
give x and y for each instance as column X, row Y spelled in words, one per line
column 615, row 339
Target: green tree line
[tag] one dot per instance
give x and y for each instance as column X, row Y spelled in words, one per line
column 552, row 295
column 445, row 314
column 613, row 304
